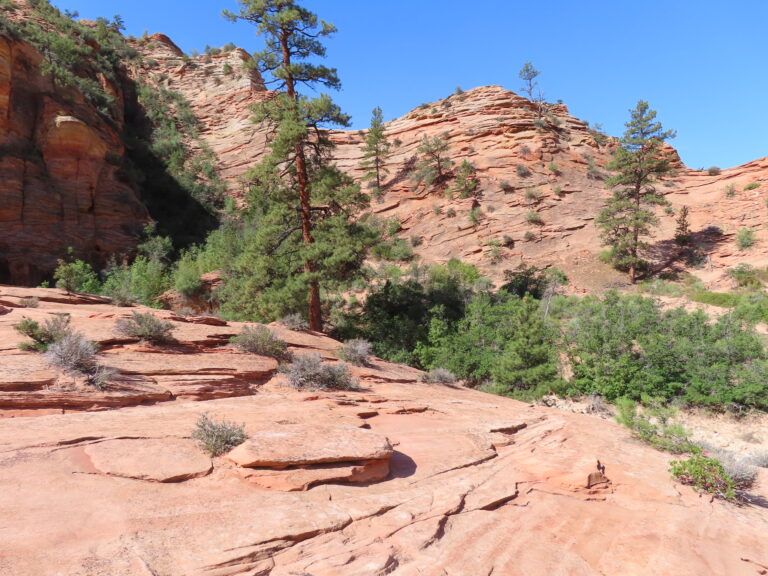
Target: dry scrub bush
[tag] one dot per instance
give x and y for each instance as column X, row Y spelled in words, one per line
column 439, row 376
column 216, row 438
column 260, row 340
column 145, row 326
column 356, row 352
column 307, row 372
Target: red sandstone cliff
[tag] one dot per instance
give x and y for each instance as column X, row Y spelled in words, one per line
column 60, row 183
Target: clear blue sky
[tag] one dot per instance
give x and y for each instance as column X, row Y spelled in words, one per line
column 703, row 65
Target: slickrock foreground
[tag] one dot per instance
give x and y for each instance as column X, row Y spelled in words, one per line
column 401, row 477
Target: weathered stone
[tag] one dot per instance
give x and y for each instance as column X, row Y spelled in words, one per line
column 156, row 460
column 281, row 446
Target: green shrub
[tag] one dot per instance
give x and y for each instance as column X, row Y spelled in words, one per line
column 76, row 276
column 653, row 425
column 218, row 437
column 722, row 299
column 140, row 282
column 356, row 351
column 451, row 213
column 751, row 186
column 554, row 168
column 713, row 170
column 186, row 278
column 532, row 195
column 145, row 326
column 393, row 250
column 52, row 330
column 533, row 217
column 260, row 340
column 730, row 191
column 307, row 372
column 705, row 474
column 558, row 191
column 466, row 182
column 529, row 236
column 474, row 216
column 746, row 276
column 745, row 238
column 628, row 346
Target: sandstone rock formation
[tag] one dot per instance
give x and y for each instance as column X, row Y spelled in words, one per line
column 401, row 477
column 541, row 182
column 556, row 171
column 59, row 173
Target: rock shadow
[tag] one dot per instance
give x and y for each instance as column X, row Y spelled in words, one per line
column 671, row 258
column 401, row 465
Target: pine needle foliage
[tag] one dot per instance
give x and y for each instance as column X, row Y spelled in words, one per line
column 376, row 150
column 628, row 216
column 433, row 163
column 301, row 207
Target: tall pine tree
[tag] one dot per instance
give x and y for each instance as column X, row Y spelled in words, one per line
column 375, row 153
column 628, row 216
column 301, row 207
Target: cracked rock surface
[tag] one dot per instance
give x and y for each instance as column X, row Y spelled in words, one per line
column 401, row 477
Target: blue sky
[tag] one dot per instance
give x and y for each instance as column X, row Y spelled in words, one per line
column 701, row 64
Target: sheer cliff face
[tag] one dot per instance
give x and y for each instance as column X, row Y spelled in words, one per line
column 59, row 174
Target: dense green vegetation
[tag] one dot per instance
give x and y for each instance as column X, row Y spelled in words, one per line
column 73, row 54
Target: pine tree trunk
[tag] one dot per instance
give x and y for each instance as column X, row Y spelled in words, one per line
column 302, row 177
column 635, row 237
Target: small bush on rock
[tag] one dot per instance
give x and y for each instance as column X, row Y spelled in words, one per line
column 74, row 352
column 31, row 302
column 356, row 352
column 745, row 238
column 759, row 459
column 706, row 474
column 307, row 372
column 654, row 426
column 522, row 171
column 52, row 330
column 100, row 377
column 439, row 376
column 295, row 322
column 260, row 340
column 145, row 326
column 533, row 217
column 217, row 438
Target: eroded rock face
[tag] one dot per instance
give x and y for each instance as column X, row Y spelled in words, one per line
column 59, row 180
column 460, row 498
